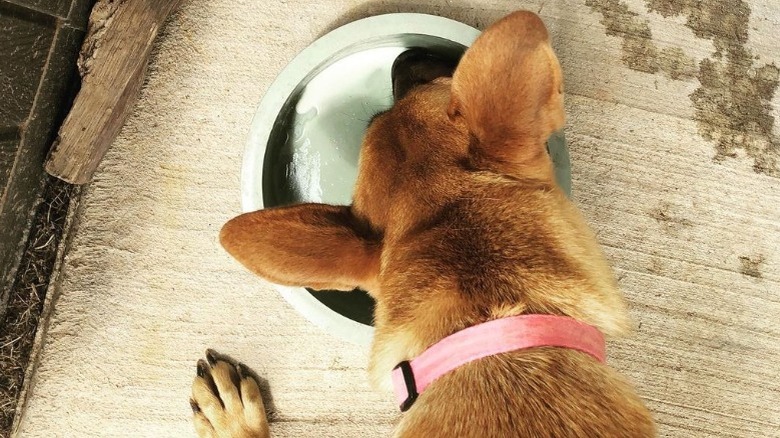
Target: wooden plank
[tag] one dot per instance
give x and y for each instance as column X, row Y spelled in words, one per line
column 59, row 8
column 112, row 65
column 79, row 11
column 26, row 155
column 27, row 36
column 24, row 49
column 8, row 146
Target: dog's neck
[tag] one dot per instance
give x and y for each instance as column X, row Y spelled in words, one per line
column 395, row 343
column 506, row 335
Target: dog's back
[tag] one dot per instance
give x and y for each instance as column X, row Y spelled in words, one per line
column 497, row 247
column 546, row 393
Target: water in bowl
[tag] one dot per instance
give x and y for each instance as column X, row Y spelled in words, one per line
column 318, row 158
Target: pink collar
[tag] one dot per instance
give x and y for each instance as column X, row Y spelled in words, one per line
column 490, row 338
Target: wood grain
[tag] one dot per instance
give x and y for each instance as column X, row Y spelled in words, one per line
column 38, row 53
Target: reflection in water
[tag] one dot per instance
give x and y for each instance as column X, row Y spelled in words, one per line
column 322, row 143
column 303, row 171
column 317, row 160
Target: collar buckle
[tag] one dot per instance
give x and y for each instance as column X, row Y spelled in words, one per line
column 411, row 385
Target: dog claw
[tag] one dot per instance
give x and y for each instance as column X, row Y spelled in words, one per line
column 242, row 370
column 202, row 368
column 226, row 398
column 211, row 356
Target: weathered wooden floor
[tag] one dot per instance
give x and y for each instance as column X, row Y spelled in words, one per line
column 676, row 162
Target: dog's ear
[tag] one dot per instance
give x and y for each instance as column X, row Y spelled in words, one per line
column 508, row 88
column 311, row 245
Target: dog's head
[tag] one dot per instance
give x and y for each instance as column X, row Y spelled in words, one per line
column 488, row 122
column 495, row 114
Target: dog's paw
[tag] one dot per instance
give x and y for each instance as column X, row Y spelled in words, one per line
column 226, row 401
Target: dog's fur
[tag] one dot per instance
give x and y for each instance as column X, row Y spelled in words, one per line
column 457, row 220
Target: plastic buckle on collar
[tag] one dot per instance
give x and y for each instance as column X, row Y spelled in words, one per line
column 411, row 385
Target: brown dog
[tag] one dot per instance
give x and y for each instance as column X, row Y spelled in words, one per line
column 456, row 220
